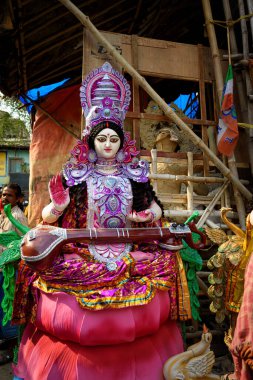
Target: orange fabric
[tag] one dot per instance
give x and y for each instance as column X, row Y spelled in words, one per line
column 51, row 144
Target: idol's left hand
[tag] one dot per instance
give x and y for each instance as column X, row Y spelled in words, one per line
column 141, row 216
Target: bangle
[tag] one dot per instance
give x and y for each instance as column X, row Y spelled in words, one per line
column 56, row 212
column 153, row 215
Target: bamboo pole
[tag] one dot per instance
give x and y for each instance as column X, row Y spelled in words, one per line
column 202, row 97
column 250, row 10
column 245, row 104
column 153, row 94
column 220, row 84
column 154, row 167
column 211, row 139
column 186, row 213
column 189, row 183
column 211, row 224
column 202, row 285
column 185, row 178
column 211, row 205
column 135, row 93
column 245, row 45
column 233, row 55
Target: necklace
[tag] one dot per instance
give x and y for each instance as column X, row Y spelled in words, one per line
column 104, row 162
column 106, row 165
column 105, row 169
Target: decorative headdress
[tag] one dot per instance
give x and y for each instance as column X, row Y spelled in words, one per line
column 105, row 96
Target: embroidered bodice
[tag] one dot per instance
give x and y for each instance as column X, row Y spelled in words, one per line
column 109, row 200
column 109, row 203
column 109, row 195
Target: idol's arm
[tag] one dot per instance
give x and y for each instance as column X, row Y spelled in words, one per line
column 50, row 214
column 60, row 200
column 151, row 214
column 156, row 211
column 251, row 218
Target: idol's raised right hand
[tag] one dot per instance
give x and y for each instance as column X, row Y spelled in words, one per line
column 59, row 196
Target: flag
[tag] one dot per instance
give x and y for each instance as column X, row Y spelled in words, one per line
column 228, row 127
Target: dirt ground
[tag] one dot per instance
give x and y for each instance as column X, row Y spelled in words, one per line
column 6, row 372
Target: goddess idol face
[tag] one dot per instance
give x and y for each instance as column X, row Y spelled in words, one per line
column 107, row 143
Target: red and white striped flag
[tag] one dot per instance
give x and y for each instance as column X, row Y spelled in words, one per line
column 228, row 127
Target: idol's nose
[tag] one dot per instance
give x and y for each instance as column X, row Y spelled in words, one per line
column 108, row 143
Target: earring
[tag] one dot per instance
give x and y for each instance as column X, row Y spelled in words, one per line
column 120, row 156
column 92, row 155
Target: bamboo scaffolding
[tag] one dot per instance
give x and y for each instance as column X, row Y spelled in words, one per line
column 211, row 139
column 235, row 55
column 211, row 205
column 250, row 10
column 222, row 226
column 162, row 104
column 135, row 92
column 202, row 97
column 154, row 167
column 211, row 224
column 245, row 45
column 185, row 178
column 189, row 183
column 243, row 101
column 182, row 199
column 202, row 285
column 220, row 84
column 186, row 213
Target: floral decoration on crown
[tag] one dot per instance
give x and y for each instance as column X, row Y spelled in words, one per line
column 105, row 96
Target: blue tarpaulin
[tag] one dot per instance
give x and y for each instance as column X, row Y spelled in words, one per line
column 37, row 93
column 188, row 103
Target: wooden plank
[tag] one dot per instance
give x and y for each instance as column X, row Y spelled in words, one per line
column 151, row 116
column 176, row 60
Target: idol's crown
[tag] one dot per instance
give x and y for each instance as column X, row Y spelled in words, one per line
column 105, row 96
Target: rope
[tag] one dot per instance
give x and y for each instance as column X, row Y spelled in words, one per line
column 229, row 23
column 245, row 125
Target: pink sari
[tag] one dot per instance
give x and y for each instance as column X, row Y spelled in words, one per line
column 242, row 343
